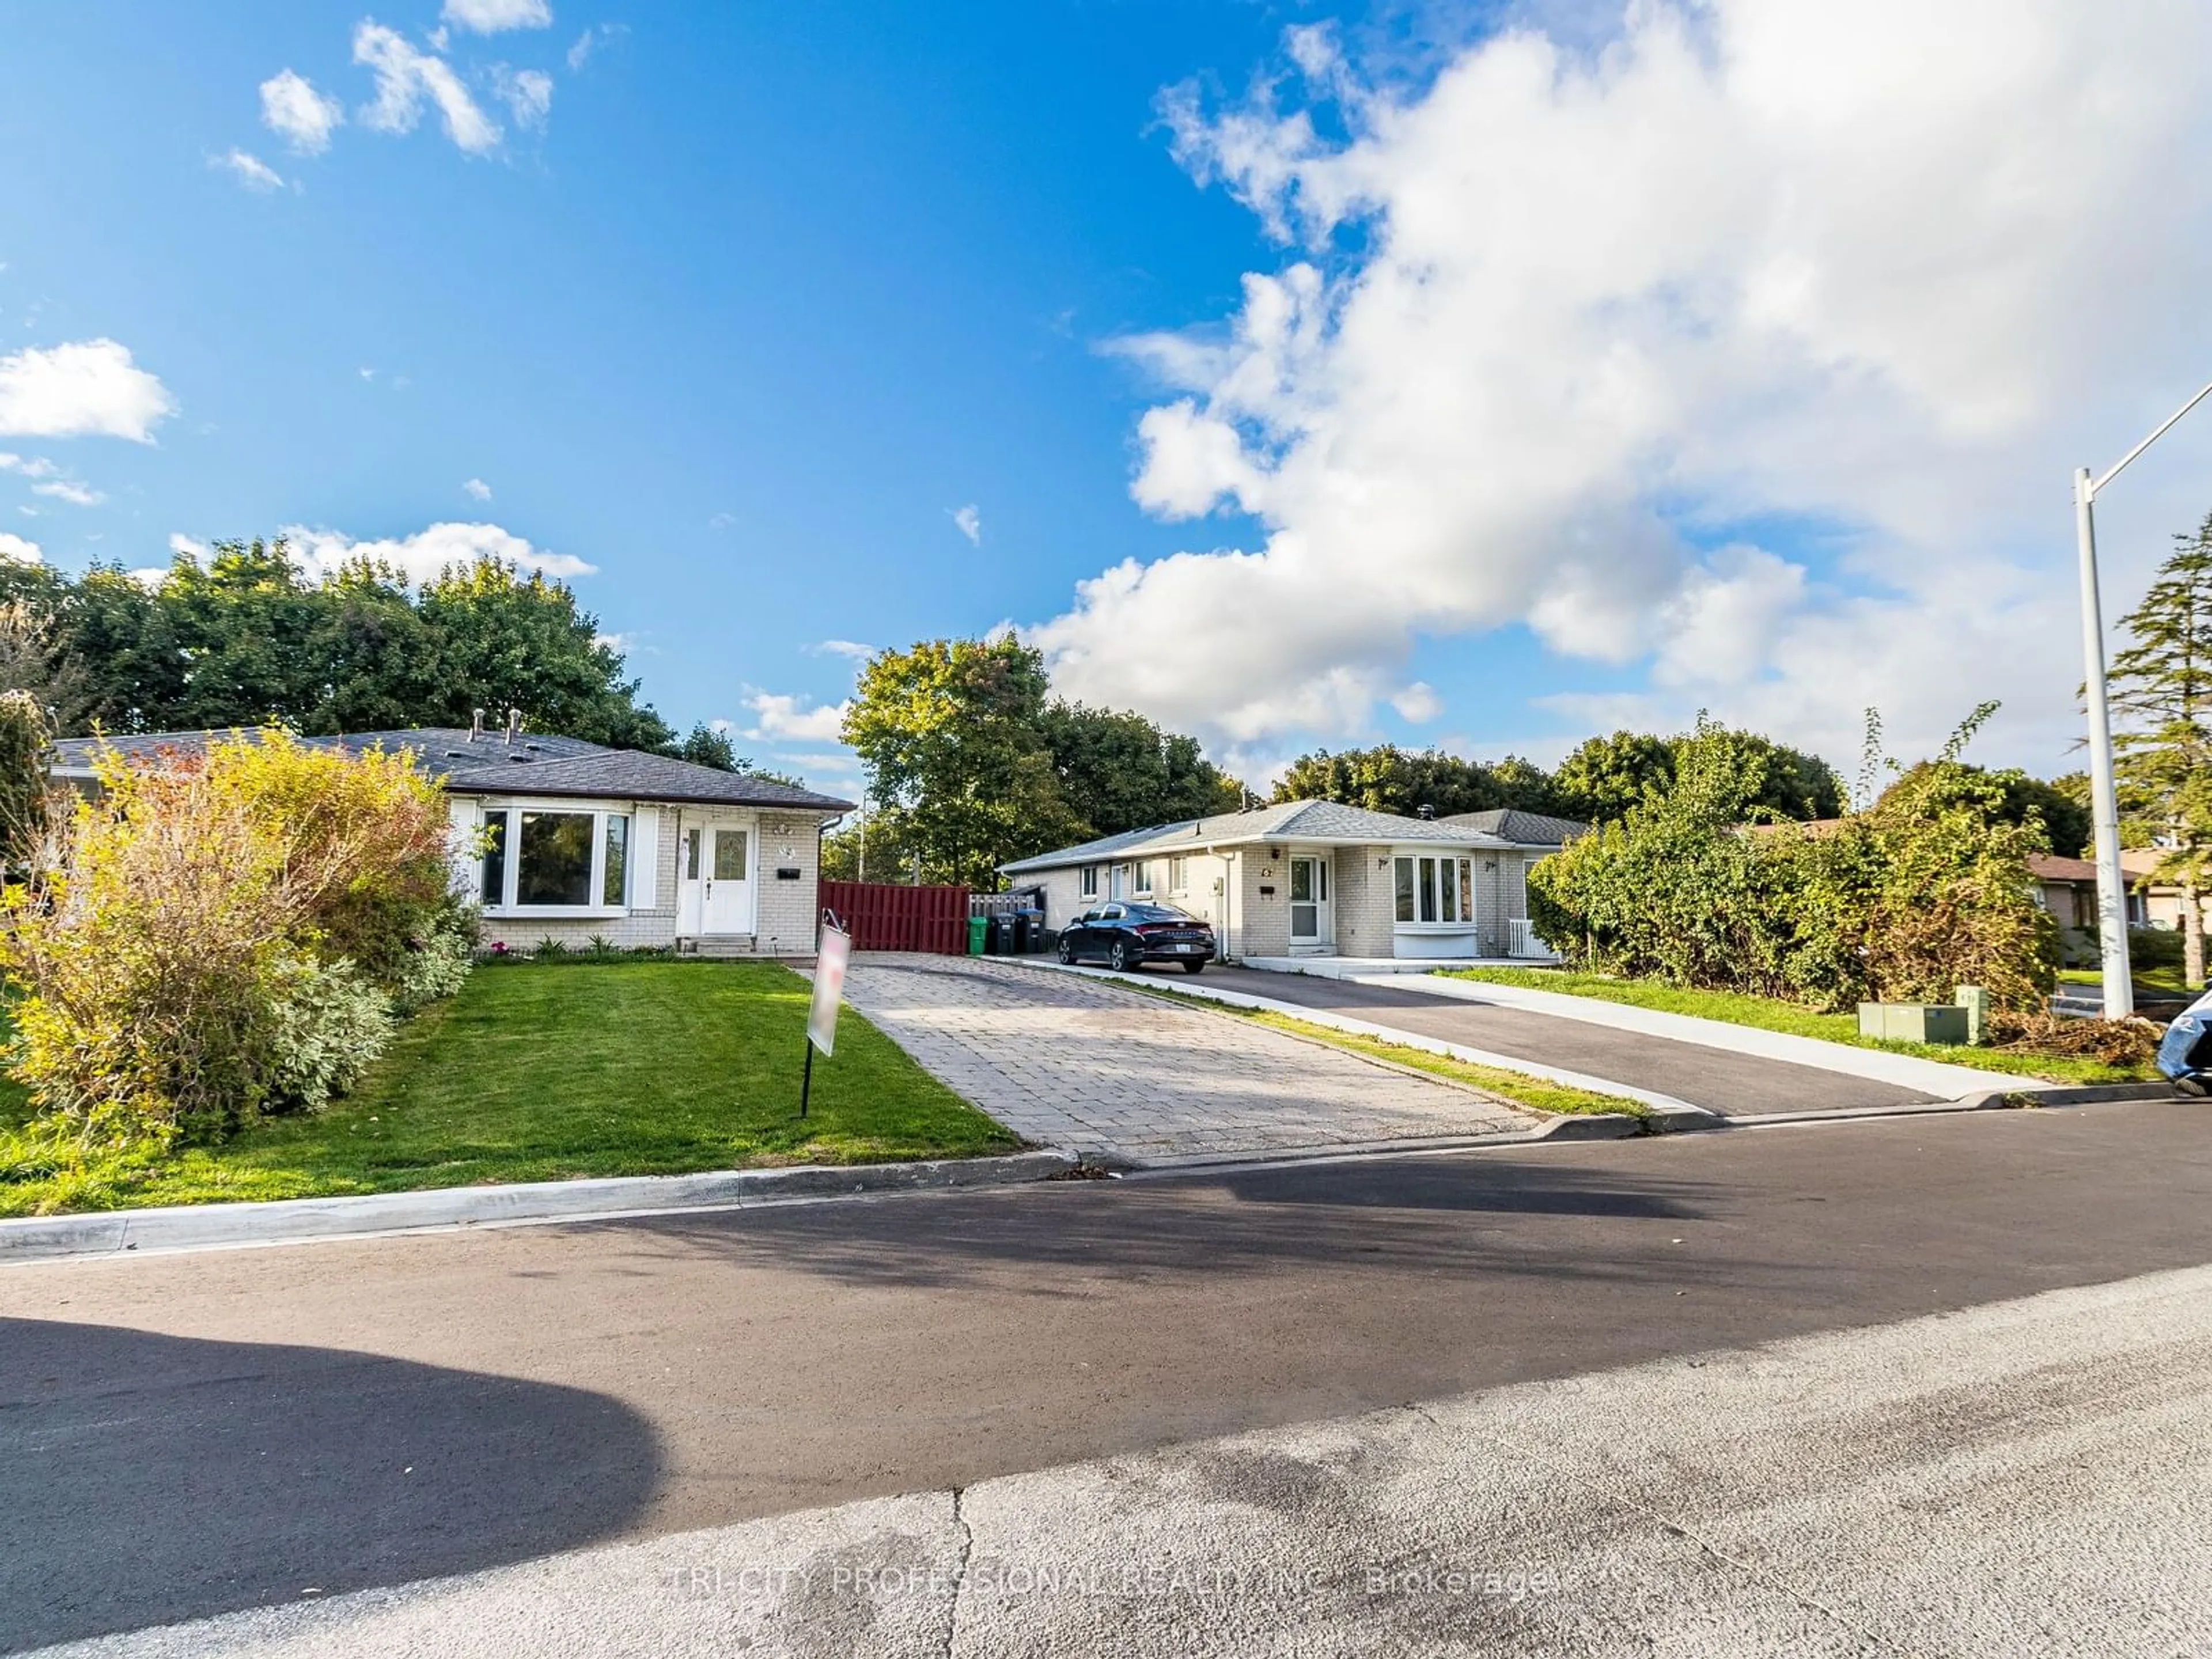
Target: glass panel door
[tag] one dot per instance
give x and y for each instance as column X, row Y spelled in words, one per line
column 1305, row 909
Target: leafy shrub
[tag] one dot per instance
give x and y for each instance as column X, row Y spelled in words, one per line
column 219, row 935
column 1923, row 892
column 328, row 1025
column 550, row 947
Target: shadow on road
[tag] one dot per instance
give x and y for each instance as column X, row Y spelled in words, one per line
column 147, row 1479
column 1455, row 1216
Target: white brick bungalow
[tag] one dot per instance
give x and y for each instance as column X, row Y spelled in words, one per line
column 1312, row 877
column 587, row 841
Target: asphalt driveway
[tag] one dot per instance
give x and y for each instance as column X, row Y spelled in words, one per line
column 1735, row 1086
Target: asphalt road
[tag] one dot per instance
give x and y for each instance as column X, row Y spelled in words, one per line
column 1735, row 1086
column 188, row 1435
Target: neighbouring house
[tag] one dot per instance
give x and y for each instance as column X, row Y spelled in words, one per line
column 567, row 839
column 2066, row 888
column 2151, row 903
column 1312, row 877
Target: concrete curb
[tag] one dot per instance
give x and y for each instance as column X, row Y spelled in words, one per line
column 2092, row 1094
column 300, row 1220
column 1674, row 1112
column 1928, row 1077
column 1594, row 1126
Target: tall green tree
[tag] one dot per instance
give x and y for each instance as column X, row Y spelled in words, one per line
column 2160, row 686
column 1389, row 778
column 1604, row 777
column 959, row 773
column 1119, row 771
column 245, row 635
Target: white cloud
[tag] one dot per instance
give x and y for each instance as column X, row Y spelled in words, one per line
column 149, row 577
column 590, row 41
column 479, row 488
column 777, row 718
column 490, row 16
column 249, row 170
column 405, row 76
column 180, row 542
column 36, row 466
column 17, row 550
column 424, row 554
column 852, row 649
column 1417, row 702
column 69, row 490
column 722, row 522
column 970, row 522
column 303, row 118
column 528, row 94
column 1742, row 274
column 85, row 389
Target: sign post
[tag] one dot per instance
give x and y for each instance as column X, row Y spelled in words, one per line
column 829, row 959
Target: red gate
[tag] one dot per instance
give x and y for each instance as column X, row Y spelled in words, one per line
column 884, row 917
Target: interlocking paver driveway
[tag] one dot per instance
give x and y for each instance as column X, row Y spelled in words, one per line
column 1068, row 1061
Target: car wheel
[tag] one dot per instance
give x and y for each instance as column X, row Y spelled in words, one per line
column 1124, row 959
column 1067, row 950
column 1194, row 967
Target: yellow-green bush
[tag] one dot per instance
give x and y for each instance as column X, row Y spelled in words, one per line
column 223, row 934
column 1925, row 891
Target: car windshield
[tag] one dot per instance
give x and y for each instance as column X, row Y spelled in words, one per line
column 1158, row 912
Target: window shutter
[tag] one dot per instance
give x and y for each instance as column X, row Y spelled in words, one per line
column 645, row 851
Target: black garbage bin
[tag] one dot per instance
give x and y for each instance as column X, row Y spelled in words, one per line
column 1021, row 933
column 995, row 937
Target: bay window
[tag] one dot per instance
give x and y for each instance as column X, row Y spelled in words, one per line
column 555, row 859
column 1433, row 890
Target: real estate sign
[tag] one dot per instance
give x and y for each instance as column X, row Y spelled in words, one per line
column 829, row 988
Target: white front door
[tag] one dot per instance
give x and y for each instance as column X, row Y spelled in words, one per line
column 716, row 869
column 1312, row 922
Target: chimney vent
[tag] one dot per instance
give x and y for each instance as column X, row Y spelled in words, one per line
column 514, row 724
column 476, row 724
column 1425, row 812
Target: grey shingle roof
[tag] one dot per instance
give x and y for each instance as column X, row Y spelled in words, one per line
column 536, row 764
column 1522, row 828
column 1297, row 820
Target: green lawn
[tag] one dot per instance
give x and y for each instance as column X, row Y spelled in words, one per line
column 546, row 1072
column 1772, row 1014
column 2154, row 982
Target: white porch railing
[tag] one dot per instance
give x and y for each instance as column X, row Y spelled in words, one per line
column 1522, row 941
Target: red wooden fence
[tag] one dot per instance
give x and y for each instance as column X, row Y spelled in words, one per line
column 884, row 917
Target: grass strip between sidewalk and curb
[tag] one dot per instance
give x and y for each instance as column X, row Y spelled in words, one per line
column 1772, row 1014
column 1514, row 1088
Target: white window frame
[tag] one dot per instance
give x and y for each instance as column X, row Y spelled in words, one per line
column 1463, row 867
column 1087, row 882
column 598, row 812
column 1178, row 874
column 1141, row 879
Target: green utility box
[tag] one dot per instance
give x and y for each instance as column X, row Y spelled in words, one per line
column 1913, row 1021
column 979, row 932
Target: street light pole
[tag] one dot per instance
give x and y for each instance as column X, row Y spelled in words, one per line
column 2103, row 792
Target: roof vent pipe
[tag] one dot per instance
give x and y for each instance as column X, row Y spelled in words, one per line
column 514, row 724
column 476, row 724
column 1425, row 812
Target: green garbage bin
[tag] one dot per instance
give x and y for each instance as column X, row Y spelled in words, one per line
column 979, row 929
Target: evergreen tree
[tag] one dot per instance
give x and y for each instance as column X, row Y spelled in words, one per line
column 2161, row 687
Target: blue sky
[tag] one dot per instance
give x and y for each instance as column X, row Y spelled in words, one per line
column 766, row 295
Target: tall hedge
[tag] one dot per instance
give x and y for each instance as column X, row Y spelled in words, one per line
column 1927, row 889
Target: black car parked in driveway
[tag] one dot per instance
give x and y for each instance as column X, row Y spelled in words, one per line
column 1129, row 935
